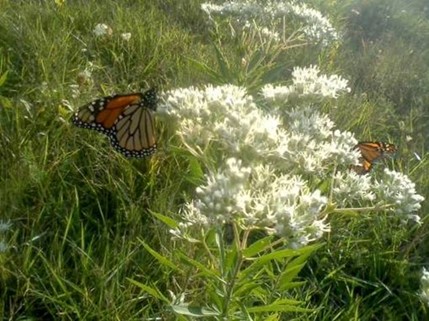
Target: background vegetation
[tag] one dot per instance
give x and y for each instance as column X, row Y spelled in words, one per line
column 79, row 211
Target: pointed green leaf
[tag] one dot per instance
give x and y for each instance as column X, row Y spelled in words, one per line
column 3, row 78
column 280, row 254
column 152, row 291
column 246, row 287
column 223, row 63
column 204, row 269
column 278, row 308
column 282, row 305
column 291, row 285
column 162, row 259
column 277, row 255
column 196, row 173
column 289, row 274
column 194, row 311
column 165, row 219
column 258, row 246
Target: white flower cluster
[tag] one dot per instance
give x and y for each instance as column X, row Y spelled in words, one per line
column 312, row 145
column 318, row 27
column 424, row 286
column 229, row 119
column 350, row 187
column 102, row 30
column 268, row 16
column 4, row 227
column 306, row 82
column 273, row 158
column 243, row 9
column 257, row 197
column 225, row 116
column 397, row 189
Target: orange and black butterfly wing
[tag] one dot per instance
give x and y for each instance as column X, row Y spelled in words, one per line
column 363, row 168
column 101, row 114
column 372, row 152
column 126, row 119
column 133, row 134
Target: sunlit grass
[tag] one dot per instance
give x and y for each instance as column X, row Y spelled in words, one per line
column 79, row 210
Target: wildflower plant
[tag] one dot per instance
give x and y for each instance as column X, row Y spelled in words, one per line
column 273, row 169
column 267, row 147
column 270, row 19
column 274, row 164
column 260, row 34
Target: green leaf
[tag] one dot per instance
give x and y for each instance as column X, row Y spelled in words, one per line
column 152, row 291
column 291, row 285
column 194, row 311
column 205, row 271
column 162, row 259
column 288, row 275
column 258, row 246
column 283, row 305
column 165, row 219
column 264, row 259
column 347, row 212
column 231, row 256
column 213, row 74
column 278, row 308
column 256, row 61
column 3, row 78
column 277, row 255
column 4, row 102
column 280, row 254
column 273, row 317
column 246, row 287
column 196, row 173
column 223, row 63
column 292, row 270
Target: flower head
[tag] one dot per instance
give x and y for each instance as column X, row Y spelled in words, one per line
column 307, row 83
column 3, row 246
column 258, row 198
column 4, row 226
column 225, row 116
column 424, row 286
column 267, row 18
column 270, row 158
column 399, row 191
column 102, row 30
column 126, row 36
column 350, row 187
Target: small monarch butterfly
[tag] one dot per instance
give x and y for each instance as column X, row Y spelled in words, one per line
column 372, row 152
column 126, row 119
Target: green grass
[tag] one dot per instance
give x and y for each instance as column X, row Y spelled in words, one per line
column 79, row 210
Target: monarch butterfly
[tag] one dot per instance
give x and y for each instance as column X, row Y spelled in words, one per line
column 372, row 152
column 126, row 119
